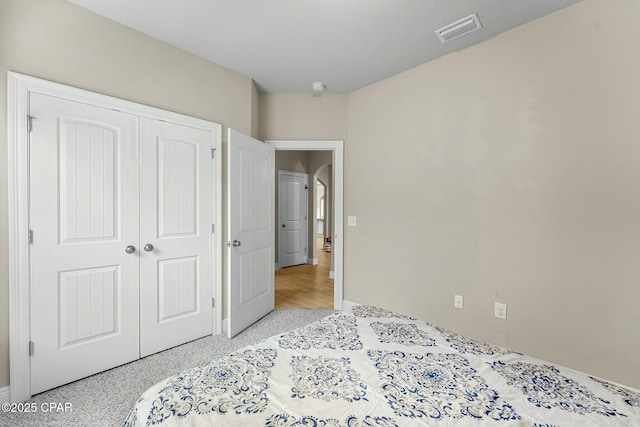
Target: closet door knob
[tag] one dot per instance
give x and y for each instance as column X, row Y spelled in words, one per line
column 148, row 247
column 130, row 249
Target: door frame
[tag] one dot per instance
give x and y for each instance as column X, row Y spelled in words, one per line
column 337, row 147
column 18, row 88
column 281, row 173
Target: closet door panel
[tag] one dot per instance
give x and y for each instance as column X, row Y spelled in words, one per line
column 84, row 213
column 175, row 231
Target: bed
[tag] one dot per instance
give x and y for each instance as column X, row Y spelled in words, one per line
column 366, row 367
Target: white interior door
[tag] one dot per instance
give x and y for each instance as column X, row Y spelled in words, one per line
column 251, row 201
column 293, row 210
column 84, row 213
column 175, row 235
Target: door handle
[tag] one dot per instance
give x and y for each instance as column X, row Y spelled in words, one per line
column 130, row 249
column 284, row 225
column 148, row 247
column 235, row 243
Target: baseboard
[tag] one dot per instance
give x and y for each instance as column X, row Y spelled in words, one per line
column 225, row 326
column 332, row 275
column 635, row 390
column 348, row 305
column 312, row 261
column 5, row 394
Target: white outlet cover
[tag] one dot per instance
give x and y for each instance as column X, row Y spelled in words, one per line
column 351, row 221
column 458, row 301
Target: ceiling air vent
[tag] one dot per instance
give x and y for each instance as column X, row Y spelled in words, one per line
column 459, row 28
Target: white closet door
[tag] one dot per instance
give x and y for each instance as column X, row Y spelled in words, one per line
column 84, row 213
column 251, row 193
column 176, row 235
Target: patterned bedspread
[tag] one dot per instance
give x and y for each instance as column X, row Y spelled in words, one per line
column 370, row 367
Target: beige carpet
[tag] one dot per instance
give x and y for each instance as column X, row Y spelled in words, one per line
column 105, row 399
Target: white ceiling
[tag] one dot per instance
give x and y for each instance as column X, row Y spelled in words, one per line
column 285, row 45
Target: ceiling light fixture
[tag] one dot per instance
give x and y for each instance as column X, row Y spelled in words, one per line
column 318, row 86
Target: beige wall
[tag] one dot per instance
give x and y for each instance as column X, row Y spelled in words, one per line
column 317, row 161
column 509, row 172
column 58, row 41
column 320, row 166
column 325, row 175
column 303, row 116
column 292, row 161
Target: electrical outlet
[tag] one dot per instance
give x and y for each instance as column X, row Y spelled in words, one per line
column 351, row 221
column 458, row 301
column 500, row 311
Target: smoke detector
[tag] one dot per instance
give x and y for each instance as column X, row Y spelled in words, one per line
column 317, row 86
column 459, row 28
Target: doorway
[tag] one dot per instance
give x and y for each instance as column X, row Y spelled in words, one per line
column 318, row 283
column 251, row 210
column 301, row 281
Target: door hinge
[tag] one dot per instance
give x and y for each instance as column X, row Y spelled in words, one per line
column 31, row 345
column 29, row 124
column 30, row 236
column 213, row 302
column 213, row 153
column 213, row 228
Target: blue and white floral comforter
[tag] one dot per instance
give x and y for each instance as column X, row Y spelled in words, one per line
column 368, row 367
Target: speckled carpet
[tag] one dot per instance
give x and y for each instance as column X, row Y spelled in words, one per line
column 105, row 399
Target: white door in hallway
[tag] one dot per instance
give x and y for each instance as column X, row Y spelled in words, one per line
column 84, row 216
column 175, row 235
column 293, row 190
column 251, row 222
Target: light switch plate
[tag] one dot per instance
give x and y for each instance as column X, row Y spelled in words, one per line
column 351, row 221
column 500, row 311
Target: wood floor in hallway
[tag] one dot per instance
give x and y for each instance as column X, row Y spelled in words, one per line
column 306, row 286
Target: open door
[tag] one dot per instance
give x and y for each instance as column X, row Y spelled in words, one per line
column 251, row 235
